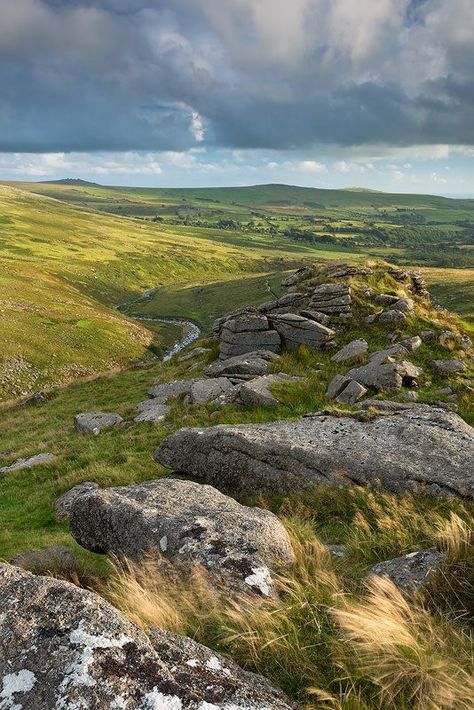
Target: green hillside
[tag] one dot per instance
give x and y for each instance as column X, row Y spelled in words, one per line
column 404, row 228
column 63, row 270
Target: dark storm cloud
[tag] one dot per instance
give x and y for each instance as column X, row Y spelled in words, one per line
column 117, row 75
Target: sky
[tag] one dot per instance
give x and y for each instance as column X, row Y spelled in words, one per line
column 325, row 93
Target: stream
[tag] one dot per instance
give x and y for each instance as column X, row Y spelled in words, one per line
column 191, row 331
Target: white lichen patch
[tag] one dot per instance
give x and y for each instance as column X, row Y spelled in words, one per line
column 260, row 578
column 77, row 673
column 157, row 701
column 214, row 664
column 14, row 683
column 193, row 662
column 164, row 543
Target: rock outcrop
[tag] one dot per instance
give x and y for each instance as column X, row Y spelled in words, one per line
column 64, row 647
column 295, row 330
column 95, row 422
column 419, row 448
column 243, row 367
column 64, row 503
column 185, row 522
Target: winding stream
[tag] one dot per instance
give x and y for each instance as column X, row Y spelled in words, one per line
column 191, row 331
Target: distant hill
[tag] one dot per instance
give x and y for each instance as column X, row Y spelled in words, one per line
column 71, row 181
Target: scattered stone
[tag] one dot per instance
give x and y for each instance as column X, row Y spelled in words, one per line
column 446, row 366
column 389, row 317
column 187, row 522
column 257, row 392
column 296, row 330
column 337, row 384
column 386, row 376
column 30, row 462
column 162, row 393
column 251, row 364
column 94, row 422
column 49, row 559
column 387, row 355
column 63, row 504
column 403, row 304
column 65, row 647
column 218, row 390
column 412, row 344
column 386, row 299
column 371, row 319
column 352, row 352
column 444, row 392
column 447, row 338
column 316, row 315
column 151, row 411
column 417, row 448
column 35, row 399
column 410, row 572
column 350, row 394
column 410, row 396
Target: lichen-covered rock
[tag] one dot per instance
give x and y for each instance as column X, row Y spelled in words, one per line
column 354, row 351
column 162, row 393
column 419, row 448
column 151, row 411
column 238, row 343
column 30, row 462
column 63, row 504
column 296, row 330
column 447, row 366
column 409, row 572
column 316, row 315
column 185, row 522
column 403, row 304
column 382, row 356
column 331, row 298
column 63, row 647
column 213, row 390
column 95, row 422
column 257, row 392
column 412, row 344
column 337, row 384
column 351, row 393
column 386, row 376
column 251, row 364
column 391, row 317
column 386, row 299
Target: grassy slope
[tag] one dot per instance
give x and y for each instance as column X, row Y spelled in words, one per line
column 62, row 268
column 297, row 643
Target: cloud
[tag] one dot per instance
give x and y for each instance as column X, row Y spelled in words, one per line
column 169, row 75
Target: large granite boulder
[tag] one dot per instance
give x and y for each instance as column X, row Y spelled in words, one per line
column 64, row 647
column 244, row 366
column 185, row 522
column 387, row 375
column 420, row 448
column 448, row 366
column 296, row 330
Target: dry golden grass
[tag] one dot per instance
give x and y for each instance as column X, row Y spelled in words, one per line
column 324, row 647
